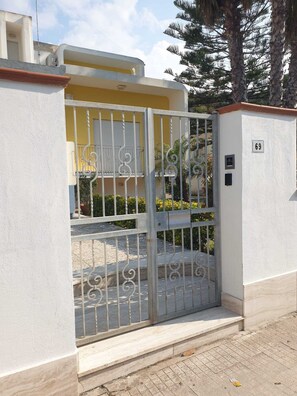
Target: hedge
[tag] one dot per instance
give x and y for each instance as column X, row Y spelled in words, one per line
column 168, row 205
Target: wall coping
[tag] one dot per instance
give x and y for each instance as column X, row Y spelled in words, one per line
column 257, row 108
column 33, row 77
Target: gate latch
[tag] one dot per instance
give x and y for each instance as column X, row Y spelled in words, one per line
column 162, row 221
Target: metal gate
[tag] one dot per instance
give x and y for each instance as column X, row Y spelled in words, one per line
column 144, row 243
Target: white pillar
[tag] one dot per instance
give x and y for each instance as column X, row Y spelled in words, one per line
column 27, row 40
column 37, row 333
column 3, row 38
column 230, row 129
column 259, row 211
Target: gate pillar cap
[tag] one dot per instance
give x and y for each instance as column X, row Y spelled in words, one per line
column 257, row 108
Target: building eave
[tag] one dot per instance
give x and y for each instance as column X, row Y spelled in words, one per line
column 90, row 77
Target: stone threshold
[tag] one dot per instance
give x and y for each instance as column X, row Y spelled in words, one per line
column 118, row 356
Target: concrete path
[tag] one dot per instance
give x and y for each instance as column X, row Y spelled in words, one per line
column 101, row 254
column 260, row 363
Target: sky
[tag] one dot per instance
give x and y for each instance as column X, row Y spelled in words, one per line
column 127, row 27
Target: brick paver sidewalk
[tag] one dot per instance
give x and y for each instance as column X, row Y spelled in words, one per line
column 264, row 362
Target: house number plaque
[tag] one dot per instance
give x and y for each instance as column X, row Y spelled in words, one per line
column 258, row 146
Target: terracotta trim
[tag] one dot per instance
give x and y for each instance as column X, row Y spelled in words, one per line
column 257, row 108
column 33, row 77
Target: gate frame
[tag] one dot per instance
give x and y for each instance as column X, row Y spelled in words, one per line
column 151, row 227
column 150, row 197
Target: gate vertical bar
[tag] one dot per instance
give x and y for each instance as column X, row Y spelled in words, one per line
column 216, row 204
column 150, row 196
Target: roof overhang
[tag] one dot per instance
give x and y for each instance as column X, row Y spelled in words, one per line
column 90, row 77
column 78, row 54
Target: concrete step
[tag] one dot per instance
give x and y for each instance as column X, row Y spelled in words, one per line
column 118, row 356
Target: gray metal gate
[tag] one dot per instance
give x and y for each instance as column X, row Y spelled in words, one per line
column 143, row 237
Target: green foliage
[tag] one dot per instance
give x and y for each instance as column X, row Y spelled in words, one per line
column 122, row 206
column 84, row 189
column 176, row 155
column 86, row 185
column 180, row 237
column 183, row 154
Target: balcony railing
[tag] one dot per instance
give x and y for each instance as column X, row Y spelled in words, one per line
column 110, row 161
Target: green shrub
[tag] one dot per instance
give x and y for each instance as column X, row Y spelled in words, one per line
column 199, row 234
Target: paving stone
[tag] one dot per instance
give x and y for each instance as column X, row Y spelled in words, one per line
column 263, row 361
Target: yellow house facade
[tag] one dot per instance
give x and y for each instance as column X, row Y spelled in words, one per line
column 101, row 77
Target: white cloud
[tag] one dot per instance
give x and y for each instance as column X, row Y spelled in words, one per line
column 48, row 18
column 147, row 19
column 24, row 7
column 87, row 9
column 106, row 26
column 72, row 8
column 160, row 59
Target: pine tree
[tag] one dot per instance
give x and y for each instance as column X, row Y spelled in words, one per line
column 290, row 93
column 207, row 53
column 277, row 50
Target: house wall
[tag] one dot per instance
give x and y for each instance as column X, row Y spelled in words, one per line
column 120, row 187
column 259, row 213
column 99, row 67
column 113, row 97
column 37, row 340
column 117, row 97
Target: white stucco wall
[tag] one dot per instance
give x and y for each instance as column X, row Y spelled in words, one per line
column 259, row 211
column 230, row 142
column 269, row 204
column 178, row 100
column 36, row 314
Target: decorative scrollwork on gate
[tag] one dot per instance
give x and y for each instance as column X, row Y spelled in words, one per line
column 197, row 162
column 125, row 158
column 89, row 161
column 171, row 163
column 89, row 157
column 200, row 270
column 129, row 285
column 198, row 169
column 174, row 267
column 95, row 294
